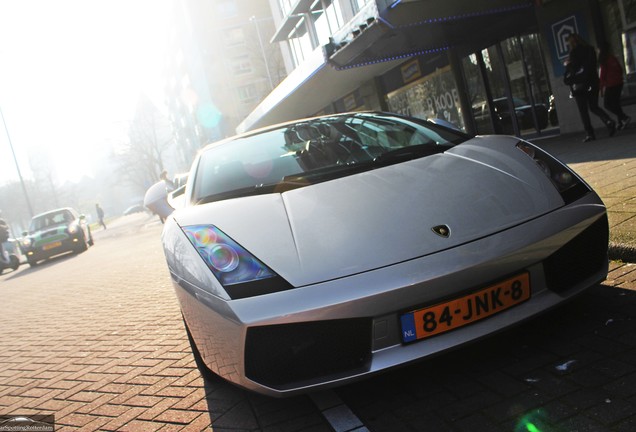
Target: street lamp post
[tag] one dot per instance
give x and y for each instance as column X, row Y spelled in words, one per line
column 15, row 160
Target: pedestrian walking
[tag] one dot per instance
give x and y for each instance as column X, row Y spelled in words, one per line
column 100, row 215
column 169, row 183
column 611, row 84
column 582, row 76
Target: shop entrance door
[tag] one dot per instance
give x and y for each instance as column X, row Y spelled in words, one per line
column 509, row 89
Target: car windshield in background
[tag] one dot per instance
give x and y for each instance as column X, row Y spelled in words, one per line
column 47, row 220
column 312, row 151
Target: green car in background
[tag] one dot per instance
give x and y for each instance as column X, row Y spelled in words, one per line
column 56, row 232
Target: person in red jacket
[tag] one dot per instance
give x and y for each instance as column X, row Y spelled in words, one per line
column 611, row 83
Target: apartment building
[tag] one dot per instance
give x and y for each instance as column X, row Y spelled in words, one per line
column 220, row 65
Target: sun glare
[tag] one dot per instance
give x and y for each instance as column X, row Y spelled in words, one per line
column 70, row 74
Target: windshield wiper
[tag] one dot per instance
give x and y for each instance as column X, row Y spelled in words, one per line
column 407, row 153
column 326, row 173
column 238, row 193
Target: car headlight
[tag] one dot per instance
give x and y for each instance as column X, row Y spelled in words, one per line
column 569, row 185
column 73, row 228
column 27, row 241
column 240, row 273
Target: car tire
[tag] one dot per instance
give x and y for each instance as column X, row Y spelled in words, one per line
column 81, row 246
column 91, row 242
column 15, row 262
column 32, row 263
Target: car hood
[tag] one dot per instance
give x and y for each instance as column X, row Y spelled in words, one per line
column 385, row 216
column 49, row 232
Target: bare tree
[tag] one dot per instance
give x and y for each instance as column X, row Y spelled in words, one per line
column 141, row 160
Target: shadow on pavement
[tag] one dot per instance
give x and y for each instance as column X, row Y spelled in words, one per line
column 573, row 368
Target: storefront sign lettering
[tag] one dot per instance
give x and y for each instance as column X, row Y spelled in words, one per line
column 411, row 71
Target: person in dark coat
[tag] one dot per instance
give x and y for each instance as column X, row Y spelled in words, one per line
column 582, row 77
column 100, row 215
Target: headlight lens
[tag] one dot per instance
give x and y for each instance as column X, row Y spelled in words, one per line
column 230, row 263
column 26, row 242
column 566, row 182
column 72, row 229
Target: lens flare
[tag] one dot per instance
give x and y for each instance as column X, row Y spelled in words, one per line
column 534, row 421
column 223, row 258
column 202, row 236
column 230, row 263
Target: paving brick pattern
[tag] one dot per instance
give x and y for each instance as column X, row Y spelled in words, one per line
column 609, row 166
column 573, row 369
column 97, row 339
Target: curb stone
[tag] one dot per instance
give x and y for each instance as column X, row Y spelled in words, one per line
column 622, row 252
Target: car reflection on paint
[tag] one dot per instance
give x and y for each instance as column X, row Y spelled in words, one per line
column 503, row 120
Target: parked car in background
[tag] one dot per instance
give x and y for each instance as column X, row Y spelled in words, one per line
column 56, row 232
column 137, row 208
column 319, row 251
column 503, row 120
column 11, row 255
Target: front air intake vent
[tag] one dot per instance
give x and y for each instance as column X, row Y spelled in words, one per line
column 580, row 258
column 286, row 354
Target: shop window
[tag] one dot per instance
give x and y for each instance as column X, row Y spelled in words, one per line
column 434, row 96
column 508, row 88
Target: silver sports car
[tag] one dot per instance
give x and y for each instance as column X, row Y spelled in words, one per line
column 317, row 252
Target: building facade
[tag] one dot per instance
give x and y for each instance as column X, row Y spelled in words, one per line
column 220, row 65
column 493, row 66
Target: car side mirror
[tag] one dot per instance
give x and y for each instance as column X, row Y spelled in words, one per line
column 25, row 233
column 156, row 199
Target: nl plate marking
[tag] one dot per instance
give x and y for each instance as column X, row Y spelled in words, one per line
column 443, row 317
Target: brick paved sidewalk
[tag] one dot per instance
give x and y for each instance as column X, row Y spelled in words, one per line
column 98, row 340
column 609, row 166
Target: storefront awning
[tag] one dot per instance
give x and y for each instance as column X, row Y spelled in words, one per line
column 400, row 30
column 407, row 28
column 308, row 89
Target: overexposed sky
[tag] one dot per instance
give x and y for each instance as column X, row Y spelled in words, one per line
column 70, row 74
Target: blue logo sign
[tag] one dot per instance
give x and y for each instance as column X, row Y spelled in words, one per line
column 560, row 32
column 557, row 37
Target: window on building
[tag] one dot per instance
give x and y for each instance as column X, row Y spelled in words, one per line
column 227, row 9
column 247, row 93
column 619, row 19
column 241, row 65
column 233, row 36
column 300, row 42
column 356, row 5
column 285, row 6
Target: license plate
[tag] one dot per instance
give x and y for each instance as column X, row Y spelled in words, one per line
column 52, row 245
column 429, row 321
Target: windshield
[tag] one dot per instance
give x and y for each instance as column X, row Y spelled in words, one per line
column 61, row 217
column 309, row 152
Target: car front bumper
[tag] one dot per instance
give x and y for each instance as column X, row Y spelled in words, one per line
column 329, row 333
column 70, row 242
